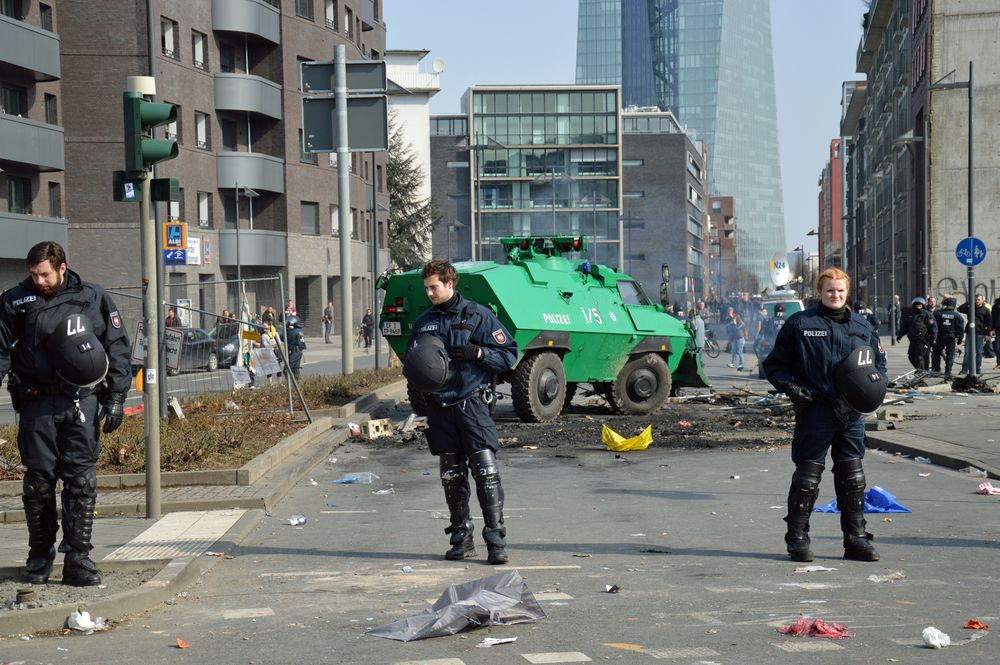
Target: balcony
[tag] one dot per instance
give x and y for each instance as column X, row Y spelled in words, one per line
column 368, row 18
column 251, row 17
column 257, row 248
column 246, row 92
column 29, row 49
column 31, row 143
column 22, row 232
column 250, row 169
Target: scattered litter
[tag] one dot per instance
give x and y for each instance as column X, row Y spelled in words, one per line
column 987, row 488
column 683, row 423
column 26, row 638
column 814, row 569
column 407, row 569
column 583, row 556
column 181, row 644
column 616, row 442
column 332, row 460
column 935, row 639
column 388, row 490
column 80, row 621
column 777, row 507
column 976, row 624
column 734, row 477
column 923, row 460
column 355, row 430
column 974, row 472
column 221, row 555
column 655, row 551
column 637, row 535
column 612, row 588
column 376, row 429
column 877, row 500
column 890, row 577
column 816, row 628
column 364, row 478
column 887, row 519
column 296, row 520
column 493, row 641
column 923, row 475
column 313, row 482
column 530, row 446
column 491, row 601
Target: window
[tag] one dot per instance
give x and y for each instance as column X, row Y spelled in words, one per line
column 331, row 14
column 12, row 8
column 349, row 22
column 18, row 195
column 45, row 16
column 633, row 195
column 168, row 37
column 378, row 173
column 229, row 211
column 304, row 8
column 305, row 157
column 310, row 218
column 13, row 99
column 633, row 162
column 334, row 221
column 176, row 208
column 174, row 128
column 204, row 140
column 55, row 199
column 354, row 223
column 230, row 134
column 199, row 52
column 375, row 55
column 227, row 58
column 205, row 210
column 51, row 110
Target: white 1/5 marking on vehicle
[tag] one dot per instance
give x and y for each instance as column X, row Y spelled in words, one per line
column 591, row 315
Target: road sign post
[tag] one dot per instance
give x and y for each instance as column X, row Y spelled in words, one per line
column 970, row 252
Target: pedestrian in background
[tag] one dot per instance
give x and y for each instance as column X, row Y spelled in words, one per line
column 461, row 431
column 736, row 332
column 367, row 327
column 327, row 322
column 68, row 353
column 932, row 304
column 920, row 329
column 950, row 328
column 983, row 323
column 995, row 322
column 813, row 351
column 171, row 321
column 697, row 324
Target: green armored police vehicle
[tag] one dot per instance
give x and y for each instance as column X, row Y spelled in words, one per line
column 573, row 321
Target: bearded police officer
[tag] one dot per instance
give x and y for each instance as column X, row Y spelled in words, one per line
column 830, row 363
column 456, row 349
column 950, row 328
column 65, row 347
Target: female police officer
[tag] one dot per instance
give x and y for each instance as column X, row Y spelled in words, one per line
column 830, row 363
column 472, row 346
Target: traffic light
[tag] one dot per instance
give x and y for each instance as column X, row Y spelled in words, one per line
column 141, row 151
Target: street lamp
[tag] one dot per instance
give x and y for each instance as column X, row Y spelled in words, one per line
column 970, row 297
column 250, row 195
column 802, row 264
column 879, row 174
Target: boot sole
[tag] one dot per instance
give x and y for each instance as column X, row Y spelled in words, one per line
column 801, row 557
column 861, row 556
column 80, row 582
column 459, row 557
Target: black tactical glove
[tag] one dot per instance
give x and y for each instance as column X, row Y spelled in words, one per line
column 469, row 352
column 112, row 411
column 800, row 395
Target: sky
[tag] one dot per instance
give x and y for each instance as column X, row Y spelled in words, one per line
column 485, row 42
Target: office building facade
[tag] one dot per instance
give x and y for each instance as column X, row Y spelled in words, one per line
column 725, row 93
column 830, row 209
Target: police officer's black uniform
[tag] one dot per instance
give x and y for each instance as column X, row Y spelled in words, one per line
column 58, row 434
column 296, row 344
column 950, row 327
column 921, row 329
column 807, row 350
column 461, row 431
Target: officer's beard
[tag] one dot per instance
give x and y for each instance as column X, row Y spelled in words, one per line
column 49, row 291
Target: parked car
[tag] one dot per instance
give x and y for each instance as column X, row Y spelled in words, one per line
column 226, row 342
column 197, row 351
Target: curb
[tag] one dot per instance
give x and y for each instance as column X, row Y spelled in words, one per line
column 940, row 453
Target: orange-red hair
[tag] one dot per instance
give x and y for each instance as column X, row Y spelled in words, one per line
column 832, row 273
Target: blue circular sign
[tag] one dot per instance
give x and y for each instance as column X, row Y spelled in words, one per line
column 970, row 251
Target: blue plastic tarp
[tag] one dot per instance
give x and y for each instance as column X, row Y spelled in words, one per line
column 877, row 500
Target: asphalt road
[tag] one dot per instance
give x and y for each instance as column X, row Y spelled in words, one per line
column 697, row 554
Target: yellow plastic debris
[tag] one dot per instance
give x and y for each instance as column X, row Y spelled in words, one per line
column 616, row 442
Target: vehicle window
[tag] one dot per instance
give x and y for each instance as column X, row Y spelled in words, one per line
column 632, row 294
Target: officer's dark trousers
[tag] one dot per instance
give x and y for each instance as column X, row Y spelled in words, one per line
column 944, row 345
column 918, row 354
column 294, row 361
column 55, row 444
column 465, row 437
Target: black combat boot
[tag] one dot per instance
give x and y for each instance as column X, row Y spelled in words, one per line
column 849, row 480
column 39, row 499
column 455, row 480
column 801, row 500
column 490, row 494
column 79, row 499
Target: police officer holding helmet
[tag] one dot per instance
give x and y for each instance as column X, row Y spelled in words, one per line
column 455, row 351
column 296, row 344
column 829, row 362
column 950, row 327
column 66, row 353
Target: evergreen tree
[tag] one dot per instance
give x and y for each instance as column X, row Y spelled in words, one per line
column 411, row 218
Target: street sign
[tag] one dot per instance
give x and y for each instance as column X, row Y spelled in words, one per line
column 316, row 77
column 174, row 235
column 173, row 342
column 970, row 251
column 175, row 257
column 367, row 123
column 139, row 345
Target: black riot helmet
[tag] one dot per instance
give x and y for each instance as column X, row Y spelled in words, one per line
column 859, row 384
column 426, row 364
column 293, row 321
column 75, row 352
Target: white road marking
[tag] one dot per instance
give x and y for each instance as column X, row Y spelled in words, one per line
column 543, row 596
column 436, row 661
column 556, row 657
column 248, row 613
column 802, row 646
column 345, row 512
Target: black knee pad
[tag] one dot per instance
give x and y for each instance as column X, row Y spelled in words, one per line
column 483, row 464
column 849, row 475
column 83, row 485
column 807, row 476
column 35, row 486
column 452, row 467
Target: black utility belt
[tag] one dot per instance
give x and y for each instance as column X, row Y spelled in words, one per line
column 29, row 390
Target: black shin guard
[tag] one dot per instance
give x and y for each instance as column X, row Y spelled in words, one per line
column 849, row 480
column 79, row 499
column 455, row 480
column 490, row 493
column 39, row 499
column 801, row 500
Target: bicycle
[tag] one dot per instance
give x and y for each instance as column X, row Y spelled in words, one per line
column 711, row 345
column 359, row 337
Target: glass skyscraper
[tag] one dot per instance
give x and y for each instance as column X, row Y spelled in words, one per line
column 720, row 54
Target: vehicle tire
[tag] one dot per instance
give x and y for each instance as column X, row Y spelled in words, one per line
column 173, row 372
column 641, row 387
column 213, row 362
column 418, row 400
column 538, row 388
column 570, row 392
column 712, row 348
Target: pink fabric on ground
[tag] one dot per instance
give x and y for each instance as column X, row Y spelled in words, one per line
column 816, row 628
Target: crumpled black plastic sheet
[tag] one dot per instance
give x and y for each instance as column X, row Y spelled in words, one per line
column 499, row 600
